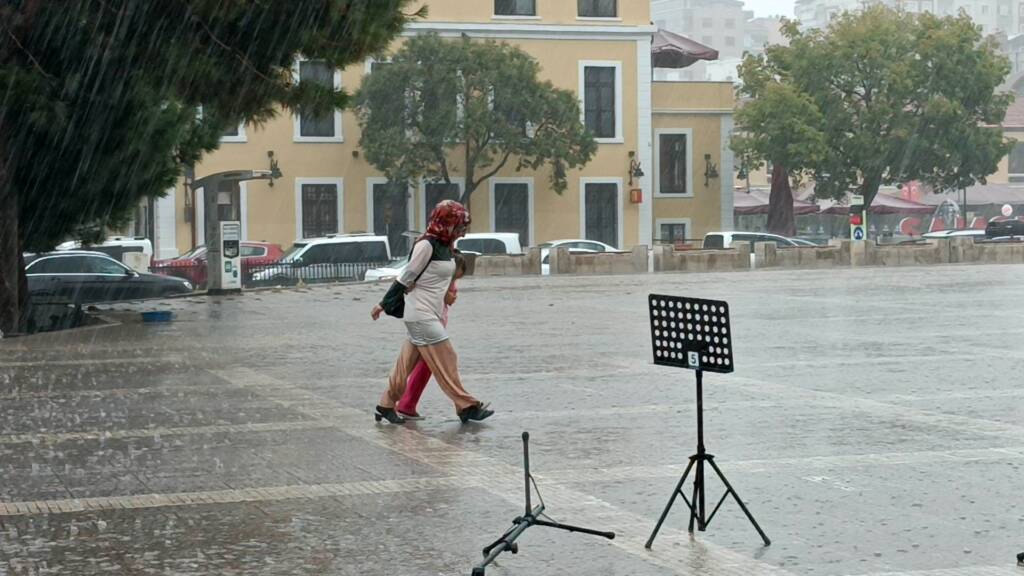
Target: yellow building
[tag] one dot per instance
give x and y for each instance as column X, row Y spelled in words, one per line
column 677, row 131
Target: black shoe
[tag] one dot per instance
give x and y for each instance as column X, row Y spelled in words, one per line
column 388, row 414
column 409, row 416
column 476, row 412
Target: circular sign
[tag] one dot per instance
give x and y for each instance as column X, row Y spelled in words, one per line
column 1007, row 210
column 858, row 233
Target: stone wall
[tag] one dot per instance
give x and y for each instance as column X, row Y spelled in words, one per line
column 561, row 261
column 519, row 265
column 668, row 259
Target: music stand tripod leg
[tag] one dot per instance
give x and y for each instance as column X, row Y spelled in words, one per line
column 739, row 501
column 664, row 513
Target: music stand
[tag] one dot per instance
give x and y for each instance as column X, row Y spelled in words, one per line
column 533, row 517
column 695, row 334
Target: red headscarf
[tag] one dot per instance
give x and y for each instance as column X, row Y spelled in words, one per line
column 448, row 221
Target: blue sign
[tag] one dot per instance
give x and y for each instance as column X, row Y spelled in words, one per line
column 858, row 233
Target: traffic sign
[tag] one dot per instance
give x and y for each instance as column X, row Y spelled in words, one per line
column 858, row 232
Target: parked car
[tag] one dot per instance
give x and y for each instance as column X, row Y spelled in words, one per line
column 192, row 265
column 1004, row 228
column 116, row 247
column 545, row 261
column 333, row 257
column 972, row 232
column 387, row 273
column 720, row 240
column 574, row 246
column 80, row 276
column 490, row 243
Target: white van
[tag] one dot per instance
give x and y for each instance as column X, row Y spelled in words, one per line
column 490, row 244
column 124, row 249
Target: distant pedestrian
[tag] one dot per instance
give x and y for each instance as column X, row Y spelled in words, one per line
column 420, row 376
column 421, row 289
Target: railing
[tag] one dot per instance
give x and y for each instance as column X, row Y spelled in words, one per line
column 277, row 273
column 290, row 274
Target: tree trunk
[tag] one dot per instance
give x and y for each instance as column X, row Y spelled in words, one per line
column 780, row 204
column 10, row 258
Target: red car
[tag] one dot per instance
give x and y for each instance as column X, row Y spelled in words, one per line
column 192, row 265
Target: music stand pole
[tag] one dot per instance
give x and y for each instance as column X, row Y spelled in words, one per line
column 532, row 516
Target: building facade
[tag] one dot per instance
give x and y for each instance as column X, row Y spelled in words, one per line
column 328, row 187
column 993, row 16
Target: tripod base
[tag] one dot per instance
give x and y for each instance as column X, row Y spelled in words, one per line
column 697, row 499
column 531, row 517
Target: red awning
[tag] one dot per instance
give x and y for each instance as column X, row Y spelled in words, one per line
column 980, row 195
column 669, row 50
column 882, row 204
column 756, row 202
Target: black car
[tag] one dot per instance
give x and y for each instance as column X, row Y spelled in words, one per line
column 78, row 277
column 1002, row 228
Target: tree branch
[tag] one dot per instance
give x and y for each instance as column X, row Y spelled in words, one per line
column 500, row 165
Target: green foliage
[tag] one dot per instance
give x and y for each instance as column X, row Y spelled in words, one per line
column 879, row 98
column 100, row 98
column 439, row 103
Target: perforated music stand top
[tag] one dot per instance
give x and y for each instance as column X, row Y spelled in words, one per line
column 691, row 333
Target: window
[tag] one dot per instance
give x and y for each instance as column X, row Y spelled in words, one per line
column 672, row 232
column 319, row 210
column 106, row 266
column 234, row 134
column 984, row 9
column 346, row 253
column 58, row 265
column 318, row 127
column 706, row 23
column 436, row 192
column 673, row 163
column 590, row 246
column 1017, row 162
column 730, row 41
column 486, row 246
column 253, row 251
column 706, row 40
column 511, row 203
column 597, row 8
column 730, row 23
column 599, row 100
column 391, row 214
column 515, row 8
column 601, row 212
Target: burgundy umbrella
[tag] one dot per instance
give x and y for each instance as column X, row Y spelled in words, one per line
column 882, row 204
column 669, row 50
column 756, row 202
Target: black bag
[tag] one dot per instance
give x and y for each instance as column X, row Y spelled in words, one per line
column 394, row 301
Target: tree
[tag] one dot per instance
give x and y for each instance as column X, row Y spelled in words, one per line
column 100, row 98
column 441, row 108
column 782, row 127
column 895, row 96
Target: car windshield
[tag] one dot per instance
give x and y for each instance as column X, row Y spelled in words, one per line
column 289, row 255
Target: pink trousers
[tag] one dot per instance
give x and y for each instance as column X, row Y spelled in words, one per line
column 414, row 387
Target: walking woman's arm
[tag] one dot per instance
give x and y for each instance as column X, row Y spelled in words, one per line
column 420, row 259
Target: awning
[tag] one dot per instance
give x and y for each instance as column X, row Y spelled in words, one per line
column 882, row 204
column 669, row 50
column 756, row 202
column 980, row 195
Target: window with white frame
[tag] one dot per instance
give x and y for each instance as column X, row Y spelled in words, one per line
column 391, row 216
column 597, row 8
column 673, row 163
column 234, row 134
column 601, row 212
column 319, row 209
column 311, row 127
column 515, row 7
column 672, row 232
column 1016, row 160
column 436, row 192
column 512, row 209
column 602, row 100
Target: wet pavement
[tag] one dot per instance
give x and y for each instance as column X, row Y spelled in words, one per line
column 873, row 425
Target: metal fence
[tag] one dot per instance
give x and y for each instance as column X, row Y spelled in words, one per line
column 276, row 274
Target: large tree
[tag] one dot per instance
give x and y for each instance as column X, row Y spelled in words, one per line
column 446, row 108
column 99, row 101
column 895, row 96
